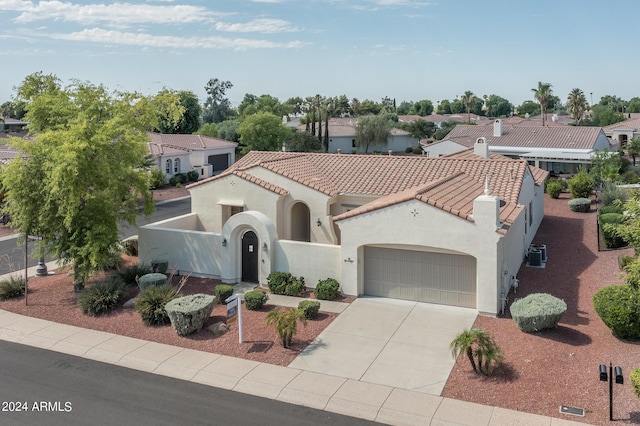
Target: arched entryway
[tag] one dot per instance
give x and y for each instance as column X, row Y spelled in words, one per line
column 250, row 257
column 300, row 222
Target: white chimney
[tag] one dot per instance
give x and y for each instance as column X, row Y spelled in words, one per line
column 481, row 148
column 486, row 210
column 497, row 128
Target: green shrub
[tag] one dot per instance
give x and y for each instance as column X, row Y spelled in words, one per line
column 629, row 177
column 537, row 311
column 326, row 289
column 580, row 204
column 188, row 314
column 619, row 308
column 608, row 226
column 193, row 175
column 150, row 304
column 11, row 287
column 610, row 192
column 554, row 189
column 223, row 292
column 157, row 178
column 613, row 218
column 174, row 181
column 182, row 178
column 285, row 283
column 102, row 297
column 624, row 260
column 612, row 208
column 129, row 274
column 581, row 185
column 417, row 150
column 255, row 299
column 635, row 381
column 563, row 183
column 408, row 150
column 153, row 279
column 309, row 308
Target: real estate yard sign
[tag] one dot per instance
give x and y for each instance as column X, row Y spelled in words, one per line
column 234, row 310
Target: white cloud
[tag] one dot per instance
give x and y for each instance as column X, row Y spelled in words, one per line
column 113, row 13
column 98, row 35
column 258, row 25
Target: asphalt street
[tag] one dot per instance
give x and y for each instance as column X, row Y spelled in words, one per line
column 44, row 387
column 12, row 254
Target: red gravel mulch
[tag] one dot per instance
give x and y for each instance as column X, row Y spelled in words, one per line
column 52, row 298
column 557, row 367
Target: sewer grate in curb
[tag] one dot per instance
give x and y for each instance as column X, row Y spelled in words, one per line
column 574, row 411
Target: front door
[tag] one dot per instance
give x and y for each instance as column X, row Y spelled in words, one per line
column 250, row 257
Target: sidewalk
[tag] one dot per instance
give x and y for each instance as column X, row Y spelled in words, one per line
column 357, row 398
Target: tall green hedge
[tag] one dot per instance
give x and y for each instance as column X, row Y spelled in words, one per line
column 619, row 308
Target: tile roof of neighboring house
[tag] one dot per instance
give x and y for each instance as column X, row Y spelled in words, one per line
column 439, row 118
column 346, row 127
column 260, row 182
column 535, row 121
column 632, row 123
column 454, row 194
column 564, row 137
column 191, row 142
column 469, row 154
column 7, row 153
column 162, row 149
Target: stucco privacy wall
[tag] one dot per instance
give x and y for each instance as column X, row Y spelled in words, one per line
column 312, row 261
column 420, row 227
column 189, row 251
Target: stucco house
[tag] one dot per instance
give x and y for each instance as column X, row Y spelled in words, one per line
column 557, row 149
column 180, row 153
column 624, row 131
column 451, row 230
column 342, row 137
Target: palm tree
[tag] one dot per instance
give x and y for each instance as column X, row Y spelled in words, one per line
column 285, row 322
column 542, row 94
column 633, row 148
column 467, row 101
column 477, row 342
column 577, row 104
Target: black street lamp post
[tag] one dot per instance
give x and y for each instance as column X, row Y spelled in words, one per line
column 604, row 377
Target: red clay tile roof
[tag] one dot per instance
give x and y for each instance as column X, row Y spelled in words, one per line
column 381, row 175
column 160, row 149
column 563, row 137
column 633, row 123
column 191, row 142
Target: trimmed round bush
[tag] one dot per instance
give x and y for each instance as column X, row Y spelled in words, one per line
column 580, row 204
column 581, row 185
column 554, row 189
column 309, row 308
column 285, row 283
column 327, row 289
column 151, row 280
column 417, row 150
column 408, row 150
column 537, row 312
column 102, row 297
column 255, row 299
column 188, row 314
column 619, row 308
column 223, row 292
column 150, row 304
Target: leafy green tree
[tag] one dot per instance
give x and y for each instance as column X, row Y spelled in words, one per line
column 80, row 175
column 467, row 101
column 602, row 115
column 457, row 107
column 634, row 105
column 499, row 107
column 527, row 107
column 420, row 129
column 422, row 108
column 262, row 131
column 13, row 109
column 633, row 148
column 189, row 121
column 444, row 129
column 228, row 130
column 372, row 131
column 369, row 107
column 577, row 104
column 217, row 107
column 404, row 108
column 208, row 129
column 477, row 343
column 629, row 230
column 444, row 107
column 543, row 94
column 302, row 141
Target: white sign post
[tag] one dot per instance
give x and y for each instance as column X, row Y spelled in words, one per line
column 234, row 309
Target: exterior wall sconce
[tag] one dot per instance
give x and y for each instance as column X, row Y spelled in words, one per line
column 264, row 246
column 318, row 223
column 224, row 242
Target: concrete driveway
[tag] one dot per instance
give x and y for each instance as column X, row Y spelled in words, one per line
column 389, row 342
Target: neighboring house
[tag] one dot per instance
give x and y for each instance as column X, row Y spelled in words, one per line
column 8, row 124
column 180, row 153
column 438, row 119
column 557, row 149
column 624, row 131
column 342, row 137
column 451, row 230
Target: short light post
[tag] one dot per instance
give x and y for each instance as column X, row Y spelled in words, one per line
column 604, row 377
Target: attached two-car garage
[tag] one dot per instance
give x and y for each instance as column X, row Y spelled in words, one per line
column 422, row 276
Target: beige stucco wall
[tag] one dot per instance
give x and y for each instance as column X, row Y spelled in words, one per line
column 439, row 149
column 312, row 261
column 420, row 226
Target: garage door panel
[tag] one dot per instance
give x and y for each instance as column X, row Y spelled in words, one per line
column 430, row 277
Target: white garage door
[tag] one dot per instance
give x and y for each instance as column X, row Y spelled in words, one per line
column 446, row 279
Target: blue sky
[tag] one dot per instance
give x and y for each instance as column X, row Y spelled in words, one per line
column 365, row 49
